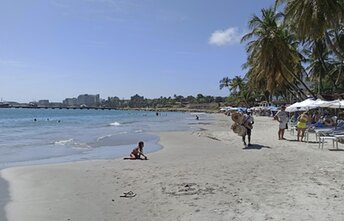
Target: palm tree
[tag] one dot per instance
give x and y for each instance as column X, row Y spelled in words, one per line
column 237, row 84
column 318, row 57
column 315, row 19
column 273, row 58
column 336, row 75
column 312, row 18
column 225, row 82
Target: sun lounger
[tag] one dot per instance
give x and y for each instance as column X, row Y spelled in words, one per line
column 323, row 132
column 322, row 141
column 335, row 139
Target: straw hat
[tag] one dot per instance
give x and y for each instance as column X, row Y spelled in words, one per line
column 235, row 127
column 237, row 117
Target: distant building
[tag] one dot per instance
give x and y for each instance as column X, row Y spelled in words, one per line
column 137, row 101
column 43, row 103
column 70, row 102
column 55, row 104
column 88, row 100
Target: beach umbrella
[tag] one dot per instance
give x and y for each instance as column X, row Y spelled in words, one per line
column 301, row 106
column 320, row 103
column 294, row 107
column 338, row 104
column 310, row 104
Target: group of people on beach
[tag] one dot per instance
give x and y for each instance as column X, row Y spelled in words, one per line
column 283, row 118
column 302, row 121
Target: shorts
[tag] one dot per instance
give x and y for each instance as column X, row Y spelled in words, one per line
column 248, row 131
column 283, row 125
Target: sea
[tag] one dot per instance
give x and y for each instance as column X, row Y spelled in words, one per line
column 43, row 136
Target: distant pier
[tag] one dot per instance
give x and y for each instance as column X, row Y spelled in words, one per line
column 60, row 107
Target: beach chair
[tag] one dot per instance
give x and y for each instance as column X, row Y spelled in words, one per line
column 325, row 131
column 291, row 127
column 322, row 141
column 336, row 136
column 340, row 138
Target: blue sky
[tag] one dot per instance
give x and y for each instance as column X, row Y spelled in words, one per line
column 54, row 49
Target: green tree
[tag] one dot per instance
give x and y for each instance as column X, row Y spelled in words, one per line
column 237, row 84
column 317, row 56
column 316, row 19
column 273, row 58
column 225, row 82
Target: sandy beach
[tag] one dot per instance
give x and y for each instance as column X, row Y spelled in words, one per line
column 203, row 175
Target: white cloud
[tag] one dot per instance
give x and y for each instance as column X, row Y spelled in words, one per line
column 225, row 37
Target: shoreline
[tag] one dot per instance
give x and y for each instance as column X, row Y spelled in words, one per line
column 5, row 187
column 90, row 153
column 201, row 175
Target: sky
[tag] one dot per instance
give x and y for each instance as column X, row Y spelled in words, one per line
column 57, row 49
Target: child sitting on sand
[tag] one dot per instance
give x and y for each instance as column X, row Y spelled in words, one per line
column 137, row 153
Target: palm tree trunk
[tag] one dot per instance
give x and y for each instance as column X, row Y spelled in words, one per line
column 338, row 77
column 294, row 86
column 293, row 94
column 300, row 81
column 320, row 86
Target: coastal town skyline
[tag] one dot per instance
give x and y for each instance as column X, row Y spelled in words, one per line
column 99, row 98
column 52, row 49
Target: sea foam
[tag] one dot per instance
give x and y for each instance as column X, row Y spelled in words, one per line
column 115, row 124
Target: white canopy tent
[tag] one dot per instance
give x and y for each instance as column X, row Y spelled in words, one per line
column 301, row 106
column 320, row 103
column 312, row 104
column 339, row 104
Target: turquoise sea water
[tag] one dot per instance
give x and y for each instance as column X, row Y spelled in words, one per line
column 39, row 136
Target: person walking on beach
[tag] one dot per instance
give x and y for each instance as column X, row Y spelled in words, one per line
column 137, row 152
column 248, row 124
column 282, row 117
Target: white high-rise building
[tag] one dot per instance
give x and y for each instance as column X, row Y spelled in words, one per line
column 88, row 100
